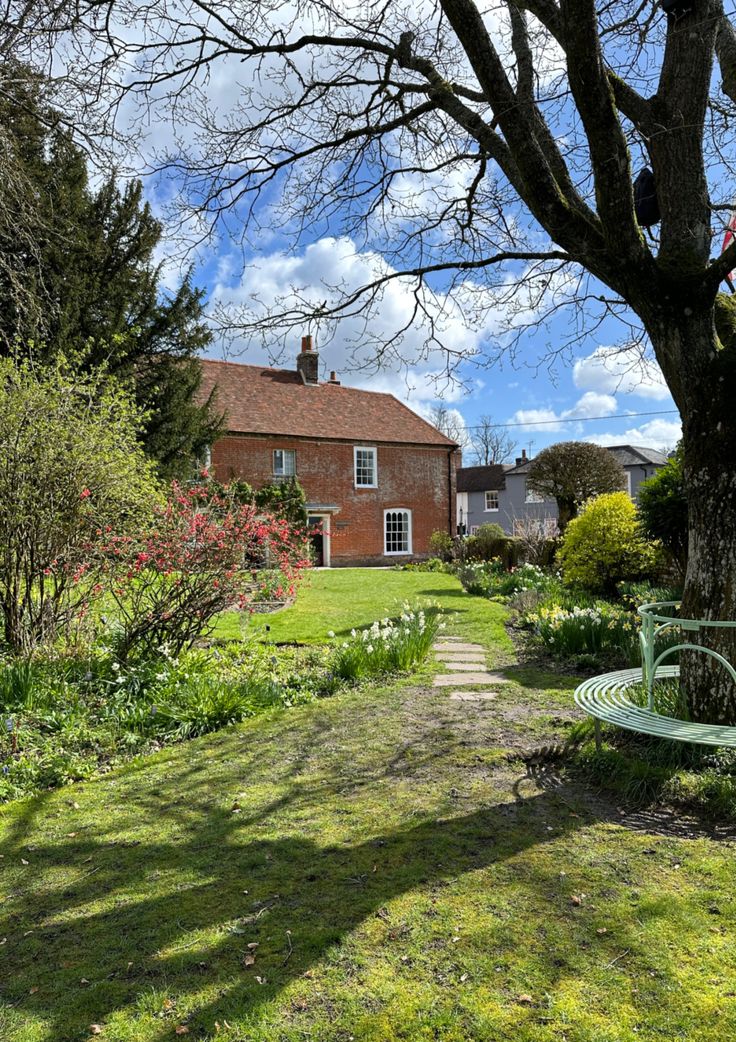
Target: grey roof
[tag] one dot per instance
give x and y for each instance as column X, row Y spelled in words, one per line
column 481, row 479
column 636, row 455
column 627, row 456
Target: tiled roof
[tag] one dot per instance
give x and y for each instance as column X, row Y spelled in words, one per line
column 277, row 401
column 627, row 456
column 637, row 455
column 481, row 479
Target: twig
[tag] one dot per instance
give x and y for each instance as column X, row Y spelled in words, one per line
column 614, row 961
column 291, row 948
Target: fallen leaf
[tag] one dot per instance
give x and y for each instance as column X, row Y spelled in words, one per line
column 181, row 1029
column 168, row 1003
column 95, row 1029
column 84, row 981
column 463, row 978
column 33, row 991
column 249, row 960
column 23, row 861
column 71, row 835
column 525, row 1000
column 254, row 944
column 261, row 980
column 575, row 900
column 602, row 929
column 4, row 941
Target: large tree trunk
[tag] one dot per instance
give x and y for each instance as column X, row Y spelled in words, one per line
column 705, row 390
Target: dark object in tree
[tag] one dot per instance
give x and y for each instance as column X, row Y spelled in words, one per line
column 646, row 204
column 572, row 472
column 663, row 510
column 677, row 8
column 96, row 287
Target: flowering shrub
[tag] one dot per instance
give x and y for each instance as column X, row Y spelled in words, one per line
column 202, row 554
column 388, row 646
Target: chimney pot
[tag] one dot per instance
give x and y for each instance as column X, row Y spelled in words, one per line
column 307, row 362
column 523, row 454
column 333, row 378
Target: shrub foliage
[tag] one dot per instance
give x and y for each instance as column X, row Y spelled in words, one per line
column 605, row 545
column 72, row 467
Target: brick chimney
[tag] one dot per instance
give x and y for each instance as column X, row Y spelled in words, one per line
column 307, row 362
column 333, row 378
column 521, row 459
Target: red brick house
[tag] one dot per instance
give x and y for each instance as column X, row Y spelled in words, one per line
column 378, row 478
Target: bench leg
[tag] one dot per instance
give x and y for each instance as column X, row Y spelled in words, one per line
column 597, row 727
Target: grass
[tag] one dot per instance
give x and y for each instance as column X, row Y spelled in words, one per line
column 352, row 598
column 375, row 867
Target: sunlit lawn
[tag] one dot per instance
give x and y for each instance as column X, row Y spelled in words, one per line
column 347, row 598
column 372, row 867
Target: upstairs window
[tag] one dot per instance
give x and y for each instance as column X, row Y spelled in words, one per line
column 532, row 497
column 284, row 463
column 397, row 531
column 491, row 500
column 366, row 474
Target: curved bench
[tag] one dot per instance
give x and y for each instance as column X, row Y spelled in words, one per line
column 605, row 697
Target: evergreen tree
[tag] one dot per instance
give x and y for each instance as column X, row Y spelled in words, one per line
column 92, row 288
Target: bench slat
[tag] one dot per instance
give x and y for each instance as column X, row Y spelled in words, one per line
column 604, row 697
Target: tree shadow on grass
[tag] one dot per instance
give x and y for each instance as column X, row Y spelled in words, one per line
column 113, row 933
column 167, row 898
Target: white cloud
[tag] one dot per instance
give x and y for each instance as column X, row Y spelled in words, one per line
column 656, row 434
column 547, row 420
column 591, row 404
column 413, row 368
column 613, row 370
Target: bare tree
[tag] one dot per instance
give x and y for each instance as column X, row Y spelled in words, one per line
column 448, row 422
column 490, row 443
column 485, row 155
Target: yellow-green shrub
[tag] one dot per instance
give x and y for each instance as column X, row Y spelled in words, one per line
column 605, row 545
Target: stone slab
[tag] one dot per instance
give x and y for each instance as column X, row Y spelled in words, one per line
column 450, row 679
column 473, row 696
column 461, row 656
column 466, row 667
column 454, row 648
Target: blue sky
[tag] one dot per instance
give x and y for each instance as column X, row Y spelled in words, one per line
column 548, row 380
column 545, row 403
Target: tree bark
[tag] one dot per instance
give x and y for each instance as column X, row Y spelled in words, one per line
column 706, row 396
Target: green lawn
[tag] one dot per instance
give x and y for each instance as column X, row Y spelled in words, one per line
column 376, row 867
column 350, row 598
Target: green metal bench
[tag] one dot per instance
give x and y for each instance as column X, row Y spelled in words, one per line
column 605, row 697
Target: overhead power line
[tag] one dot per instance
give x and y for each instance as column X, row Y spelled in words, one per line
column 572, row 419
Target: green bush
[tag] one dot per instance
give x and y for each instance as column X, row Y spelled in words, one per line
column 663, row 510
column 605, row 545
column 442, row 545
column 491, row 543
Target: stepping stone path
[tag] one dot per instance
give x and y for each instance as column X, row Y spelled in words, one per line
column 466, row 661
